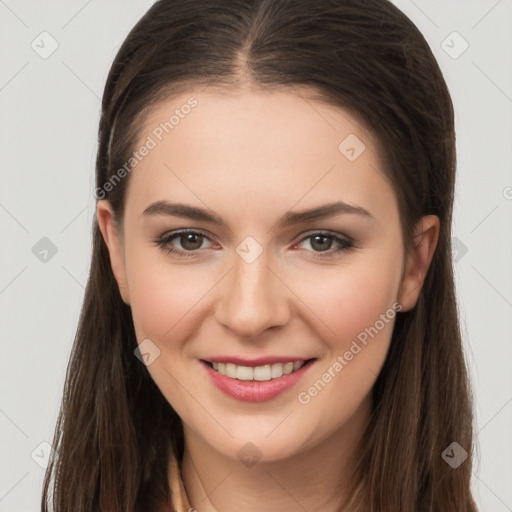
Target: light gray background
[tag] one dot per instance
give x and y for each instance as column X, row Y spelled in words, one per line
column 49, row 119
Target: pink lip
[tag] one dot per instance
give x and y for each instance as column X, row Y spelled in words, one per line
column 253, row 390
column 260, row 361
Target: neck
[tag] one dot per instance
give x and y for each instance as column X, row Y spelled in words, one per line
column 319, row 478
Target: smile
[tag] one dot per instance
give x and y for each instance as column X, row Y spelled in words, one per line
column 256, row 383
column 260, row 373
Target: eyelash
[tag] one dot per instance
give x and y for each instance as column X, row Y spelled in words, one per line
column 346, row 244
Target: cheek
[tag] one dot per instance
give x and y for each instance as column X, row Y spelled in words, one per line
column 159, row 295
column 357, row 306
column 349, row 300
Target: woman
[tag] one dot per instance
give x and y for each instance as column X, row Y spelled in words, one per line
column 270, row 319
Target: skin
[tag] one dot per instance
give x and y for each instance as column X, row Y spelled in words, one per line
column 250, row 157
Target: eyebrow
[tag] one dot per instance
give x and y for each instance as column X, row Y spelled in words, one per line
column 287, row 219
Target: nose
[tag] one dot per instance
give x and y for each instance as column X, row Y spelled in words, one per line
column 252, row 298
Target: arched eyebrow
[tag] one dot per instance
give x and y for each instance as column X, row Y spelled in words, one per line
column 287, row 219
column 321, row 212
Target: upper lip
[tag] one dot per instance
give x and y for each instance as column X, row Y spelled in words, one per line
column 259, row 361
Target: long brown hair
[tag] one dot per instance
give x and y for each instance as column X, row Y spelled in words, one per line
column 115, row 431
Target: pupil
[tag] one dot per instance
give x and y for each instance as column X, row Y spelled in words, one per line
column 321, row 246
column 191, row 239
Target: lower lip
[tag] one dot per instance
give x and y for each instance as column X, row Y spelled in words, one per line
column 255, row 390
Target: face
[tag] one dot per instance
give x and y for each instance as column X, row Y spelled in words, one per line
column 240, row 279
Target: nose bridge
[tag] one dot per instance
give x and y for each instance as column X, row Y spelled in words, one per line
column 252, row 298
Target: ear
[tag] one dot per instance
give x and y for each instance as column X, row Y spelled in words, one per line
column 110, row 230
column 418, row 261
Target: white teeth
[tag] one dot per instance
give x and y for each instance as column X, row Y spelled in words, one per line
column 230, row 370
column 244, row 373
column 277, row 370
column 288, row 368
column 261, row 373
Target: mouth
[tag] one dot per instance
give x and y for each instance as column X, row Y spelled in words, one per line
column 257, row 373
column 256, row 383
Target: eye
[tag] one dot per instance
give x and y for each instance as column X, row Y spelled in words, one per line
column 190, row 241
column 322, row 242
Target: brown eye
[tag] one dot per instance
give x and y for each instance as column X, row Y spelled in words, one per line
column 191, row 241
column 183, row 243
column 321, row 243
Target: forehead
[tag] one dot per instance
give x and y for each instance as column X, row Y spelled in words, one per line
column 274, row 147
